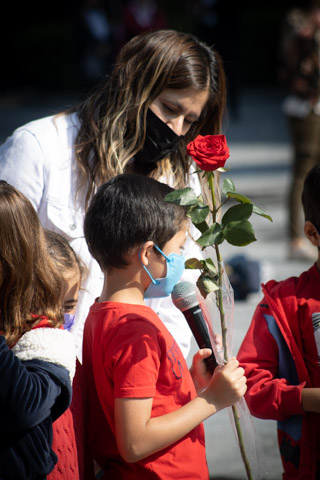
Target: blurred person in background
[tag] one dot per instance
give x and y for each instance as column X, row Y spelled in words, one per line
column 217, row 23
column 94, row 42
column 140, row 16
column 300, row 76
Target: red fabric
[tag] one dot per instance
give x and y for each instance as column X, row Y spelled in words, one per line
column 78, row 409
column 128, row 352
column 69, row 437
column 64, row 445
column 291, row 304
column 44, row 322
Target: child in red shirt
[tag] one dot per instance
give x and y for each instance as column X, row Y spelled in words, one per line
column 280, row 354
column 145, row 409
column 68, row 430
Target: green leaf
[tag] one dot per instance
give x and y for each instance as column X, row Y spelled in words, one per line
column 206, row 285
column 260, row 212
column 199, row 213
column 209, row 266
column 237, row 212
column 237, row 196
column 193, row 264
column 202, row 227
column 213, row 235
column 184, row 196
column 239, row 233
column 229, row 190
column 228, row 186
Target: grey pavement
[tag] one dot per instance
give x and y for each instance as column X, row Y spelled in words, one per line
column 260, row 168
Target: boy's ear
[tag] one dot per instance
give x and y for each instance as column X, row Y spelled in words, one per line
column 312, row 233
column 145, row 251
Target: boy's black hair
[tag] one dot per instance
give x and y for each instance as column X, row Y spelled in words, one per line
column 311, row 197
column 127, row 211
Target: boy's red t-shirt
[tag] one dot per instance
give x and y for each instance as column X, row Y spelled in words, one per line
column 129, row 353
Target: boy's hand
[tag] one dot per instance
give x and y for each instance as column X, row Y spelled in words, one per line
column 310, row 399
column 199, row 372
column 227, row 385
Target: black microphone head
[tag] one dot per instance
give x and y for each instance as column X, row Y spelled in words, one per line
column 184, row 296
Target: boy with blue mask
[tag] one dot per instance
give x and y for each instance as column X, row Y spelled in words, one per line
column 162, row 287
column 145, row 409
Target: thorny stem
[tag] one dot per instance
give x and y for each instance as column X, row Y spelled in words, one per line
column 224, row 329
column 220, row 303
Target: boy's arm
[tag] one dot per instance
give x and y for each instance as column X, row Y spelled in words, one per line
column 138, row 435
column 269, row 395
column 310, row 399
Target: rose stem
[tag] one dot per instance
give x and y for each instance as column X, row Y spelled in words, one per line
column 224, row 330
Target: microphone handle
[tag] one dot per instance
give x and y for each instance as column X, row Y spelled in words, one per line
column 200, row 332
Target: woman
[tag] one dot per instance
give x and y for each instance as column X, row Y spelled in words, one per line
column 166, row 87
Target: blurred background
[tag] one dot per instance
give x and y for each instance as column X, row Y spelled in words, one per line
column 62, row 45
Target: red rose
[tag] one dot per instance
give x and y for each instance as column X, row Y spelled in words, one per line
column 209, row 152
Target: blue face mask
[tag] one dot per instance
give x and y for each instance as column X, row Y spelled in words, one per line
column 162, row 287
column 68, row 320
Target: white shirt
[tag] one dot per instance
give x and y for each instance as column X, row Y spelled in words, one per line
column 38, row 159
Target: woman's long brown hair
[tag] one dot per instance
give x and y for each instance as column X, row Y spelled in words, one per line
column 30, row 285
column 113, row 117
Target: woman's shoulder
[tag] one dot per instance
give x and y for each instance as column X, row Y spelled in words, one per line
column 49, row 126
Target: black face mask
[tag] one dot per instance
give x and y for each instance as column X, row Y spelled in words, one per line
column 160, row 142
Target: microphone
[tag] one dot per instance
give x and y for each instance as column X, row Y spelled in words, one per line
column 185, row 299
